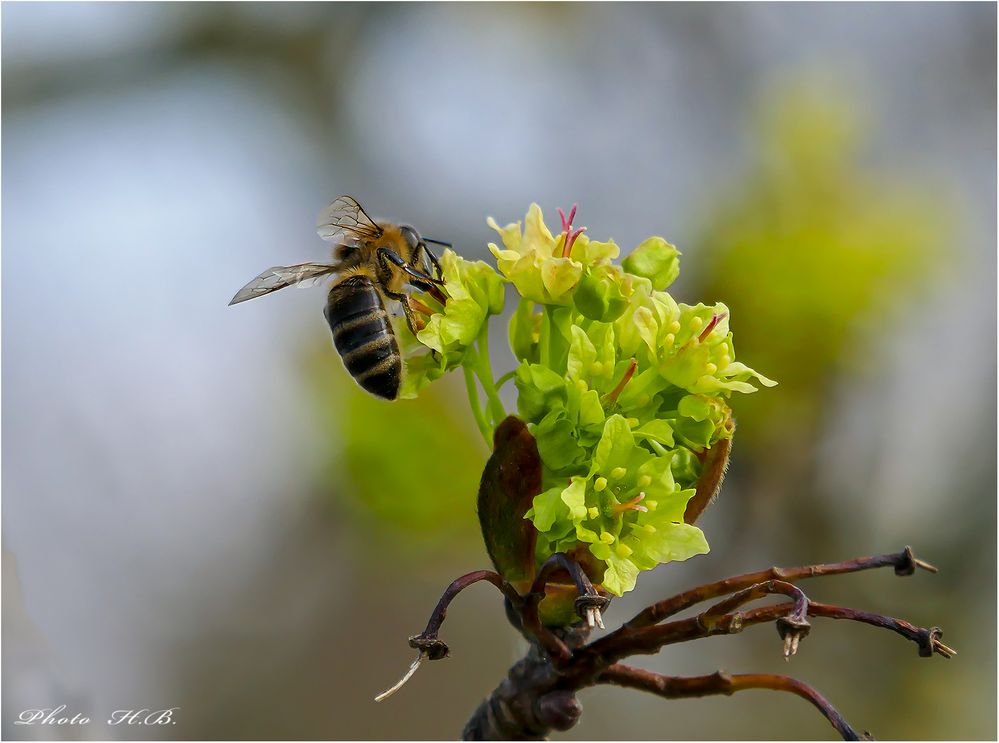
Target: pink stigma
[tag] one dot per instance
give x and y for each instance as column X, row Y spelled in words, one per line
column 567, row 223
column 570, row 234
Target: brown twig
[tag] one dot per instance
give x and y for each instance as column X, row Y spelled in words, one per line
column 427, row 642
column 904, row 562
column 928, row 639
column 625, row 642
column 792, row 627
column 538, row 695
column 675, row 687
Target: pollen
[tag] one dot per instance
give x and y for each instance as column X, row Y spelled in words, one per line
column 710, row 369
column 669, row 339
column 600, row 483
column 644, row 481
column 606, row 537
column 674, row 326
column 593, row 511
column 618, row 472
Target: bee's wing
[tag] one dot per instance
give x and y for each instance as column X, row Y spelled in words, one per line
column 345, row 215
column 279, row 277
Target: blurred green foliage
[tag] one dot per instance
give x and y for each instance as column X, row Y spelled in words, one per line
column 816, row 252
column 408, row 469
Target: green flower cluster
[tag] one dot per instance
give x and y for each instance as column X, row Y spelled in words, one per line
column 457, row 335
column 622, row 387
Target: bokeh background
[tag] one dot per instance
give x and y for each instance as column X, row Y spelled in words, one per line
column 201, row 510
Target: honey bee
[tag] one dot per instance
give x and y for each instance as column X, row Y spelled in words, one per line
column 373, row 262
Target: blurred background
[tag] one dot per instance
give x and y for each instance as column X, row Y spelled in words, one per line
column 202, row 511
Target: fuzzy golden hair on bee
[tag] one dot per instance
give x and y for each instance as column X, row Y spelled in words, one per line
column 373, row 264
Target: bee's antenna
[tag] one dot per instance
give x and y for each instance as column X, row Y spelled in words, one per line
column 437, row 242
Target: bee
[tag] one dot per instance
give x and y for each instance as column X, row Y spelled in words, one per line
column 373, row 262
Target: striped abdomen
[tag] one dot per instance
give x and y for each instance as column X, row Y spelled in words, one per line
column 363, row 335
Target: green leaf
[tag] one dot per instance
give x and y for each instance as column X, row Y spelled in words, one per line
column 673, row 541
column 599, row 295
column 582, row 354
column 420, row 371
column 557, row 442
column 695, row 433
column 592, row 253
column 685, row 466
column 621, row 574
column 687, row 366
column 524, row 326
column 656, row 260
column 695, row 407
column 741, row 372
column 658, row 430
column 647, row 327
column 547, row 509
column 591, row 412
column 603, row 338
column 559, row 337
column 559, row 276
column 615, row 446
column 574, row 497
column 540, row 390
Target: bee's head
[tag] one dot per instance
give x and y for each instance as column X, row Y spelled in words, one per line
column 410, row 235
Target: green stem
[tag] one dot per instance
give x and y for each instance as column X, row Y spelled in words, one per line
column 473, row 401
column 505, row 378
column 484, row 371
column 544, row 337
column 660, row 450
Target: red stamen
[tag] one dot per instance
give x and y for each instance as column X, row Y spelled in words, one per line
column 711, row 326
column 628, row 374
column 631, row 505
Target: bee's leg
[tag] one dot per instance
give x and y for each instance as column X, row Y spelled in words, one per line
column 421, row 279
column 433, row 258
column 410, row 317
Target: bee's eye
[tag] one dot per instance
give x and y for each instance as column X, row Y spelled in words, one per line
column 411, row 236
